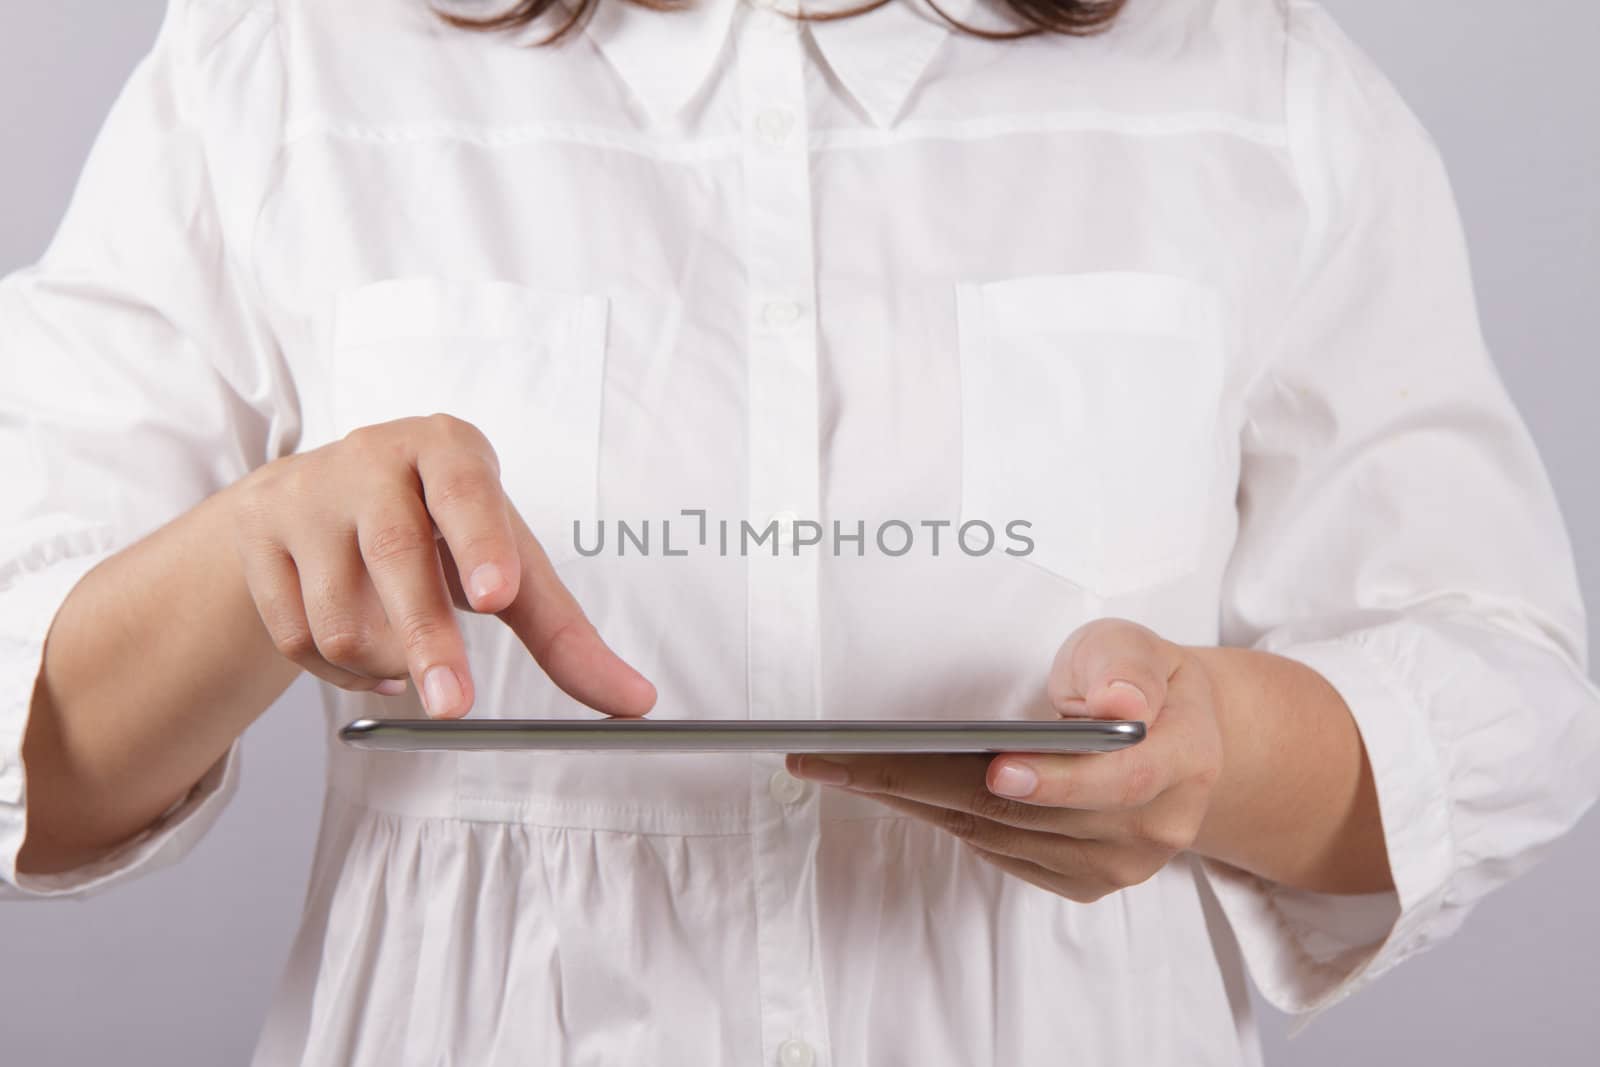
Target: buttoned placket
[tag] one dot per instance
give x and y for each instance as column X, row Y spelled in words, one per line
column 783, row 487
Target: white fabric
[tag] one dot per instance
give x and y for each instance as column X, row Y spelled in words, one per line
column 1190, row 299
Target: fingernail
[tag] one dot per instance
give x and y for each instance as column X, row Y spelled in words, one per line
column 392, row 687
column 822, row 770
column 1014, row 780
column 441, row 690
column 485, row 581
column 1121, row 684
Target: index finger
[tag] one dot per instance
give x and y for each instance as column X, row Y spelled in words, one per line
column 1113, row 781
column 547, row 619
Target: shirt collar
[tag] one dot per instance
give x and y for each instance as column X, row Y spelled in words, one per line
column 666, row 57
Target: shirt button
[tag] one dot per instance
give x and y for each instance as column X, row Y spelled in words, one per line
column 786, row 788
column 785, row 521
column 780, row 313
column 793, row 1053
column 774, row 126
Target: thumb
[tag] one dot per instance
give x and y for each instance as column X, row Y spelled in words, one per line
column 1112, row 669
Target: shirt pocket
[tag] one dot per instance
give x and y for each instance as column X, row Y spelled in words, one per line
column 1089, row 408
column 523, row 365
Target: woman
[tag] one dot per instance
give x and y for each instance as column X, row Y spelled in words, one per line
column 366, row 328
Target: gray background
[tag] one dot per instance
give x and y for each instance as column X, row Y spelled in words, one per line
column 176, row 968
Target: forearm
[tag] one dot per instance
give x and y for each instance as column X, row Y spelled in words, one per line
column 155, row 663
column 1295, row 802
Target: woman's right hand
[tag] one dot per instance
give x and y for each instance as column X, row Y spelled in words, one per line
column 358, row 553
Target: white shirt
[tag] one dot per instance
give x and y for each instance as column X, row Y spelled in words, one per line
column 1190, row 300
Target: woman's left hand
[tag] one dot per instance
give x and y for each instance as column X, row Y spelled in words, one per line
column 1081, row 826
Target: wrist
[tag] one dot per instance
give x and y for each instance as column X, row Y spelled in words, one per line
column 1295, row 801
column 1235, row 716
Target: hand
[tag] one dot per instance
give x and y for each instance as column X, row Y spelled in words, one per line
column 1081, row 825
column 358, row 553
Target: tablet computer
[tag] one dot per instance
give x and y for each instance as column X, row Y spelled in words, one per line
column 743, row 735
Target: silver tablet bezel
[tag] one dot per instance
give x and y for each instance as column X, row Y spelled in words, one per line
column 742, row 735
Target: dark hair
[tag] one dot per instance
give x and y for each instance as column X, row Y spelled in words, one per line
column 1078, row 18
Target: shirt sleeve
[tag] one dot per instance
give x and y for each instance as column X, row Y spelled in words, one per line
column 1399, row 534
column 140, row 377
